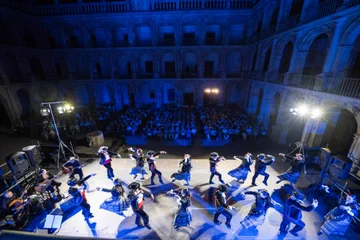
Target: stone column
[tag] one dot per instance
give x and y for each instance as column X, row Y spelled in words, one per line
column 354, row 153
column 330, row 58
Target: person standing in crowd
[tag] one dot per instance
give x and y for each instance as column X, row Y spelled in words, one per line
column 76, row 190
column 338, row 220
column 241, row 172
column 183, row 216
column 151, row 156
column 293, row 213
column 118, row 202
column 105, row 160
column 140, row 163
column 214, row 160
column 222, row 208
column 293, row 173
column 136, row 197
column 260, row 167
column 258, row 210
column 73, row 166
column 185, row 169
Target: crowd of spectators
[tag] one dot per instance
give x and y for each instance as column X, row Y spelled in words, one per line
column 170, row 122
column 69, row 124
column 228, row 122
column 129, row 120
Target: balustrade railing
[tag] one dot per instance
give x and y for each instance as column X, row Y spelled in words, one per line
column 168, row 75
column 210, row 75
column 233, row 75
column 349, row 87
column 193, row 74
column 189, row 41
column 326, row 8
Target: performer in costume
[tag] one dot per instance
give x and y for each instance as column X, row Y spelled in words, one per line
column 73, row 166
column 151, row 156
column 76, row 190
column 183, row 216
column 136, row 197
column 258, row 210
column 184, row 172
column 140, row 163
column 221, row 206
column 118, row 202
column 241, row 172
column 214, row 160
column 105, row 160
column 293, row 173
column 293, row 214
column 338, row 220
column 260, row 167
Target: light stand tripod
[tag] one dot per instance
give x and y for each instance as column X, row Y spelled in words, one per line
column 300, row 148
column 62, row 145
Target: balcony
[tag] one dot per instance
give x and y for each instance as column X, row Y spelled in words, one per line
column 189, row 41
column 168, row 42
column 123, row 76
column 349, row 87
column 210, row 75
column 143, row 43
column 168, row 75
column 193, row 74
column 211, row 41
column 233, row 75
column 146, row 76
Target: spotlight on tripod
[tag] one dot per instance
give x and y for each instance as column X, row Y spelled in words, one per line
column 62, row 107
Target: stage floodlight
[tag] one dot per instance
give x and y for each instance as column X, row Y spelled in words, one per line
column 207, row 90
column 315, row 113
column 68, row 108
column 60, row 109
column 215, row 90
column 303, row 110
column 45, row 111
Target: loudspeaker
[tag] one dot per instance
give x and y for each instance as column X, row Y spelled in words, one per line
column 19, row 164
column 34, row 154
column 324, row 157
column 340, row 167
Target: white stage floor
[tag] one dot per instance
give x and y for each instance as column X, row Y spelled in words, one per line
column 109, row 225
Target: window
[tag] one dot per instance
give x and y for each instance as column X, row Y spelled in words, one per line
column 58, row 69
column 129, row 67
column 169, row 39
column 73, row 41
column 189, row 38
column 152, row 95
column 126, row 39
column 93, row 40
column 149, row 67
column 171, row 95
column 52, row 42
column 169, row 67
column 210, row 38
column 98, row 69
column 209, row 67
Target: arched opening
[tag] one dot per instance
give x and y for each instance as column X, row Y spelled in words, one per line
column 102, row 68
column 11, row 68
column 258, row 30
column 296, row 8
column 28, row 38
column 273, row 20
column 343, row 134
column 248, row 97
column 168, row 67
column 146, row 65
column 211, row 65
column 354, row 69
column 123, row 67
column 286, row 58
column 82, row 67
column 266, row 61
column 316, row 56
column 105, row 94
column 315, row 60
column 275, row 110
column 254, row 60
column 259, row 103
column 61, row 67
column 7, row 36
column 4, row 119
column 36, row 69
column 190, row 65
column 233, row 64
column 24, row 100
